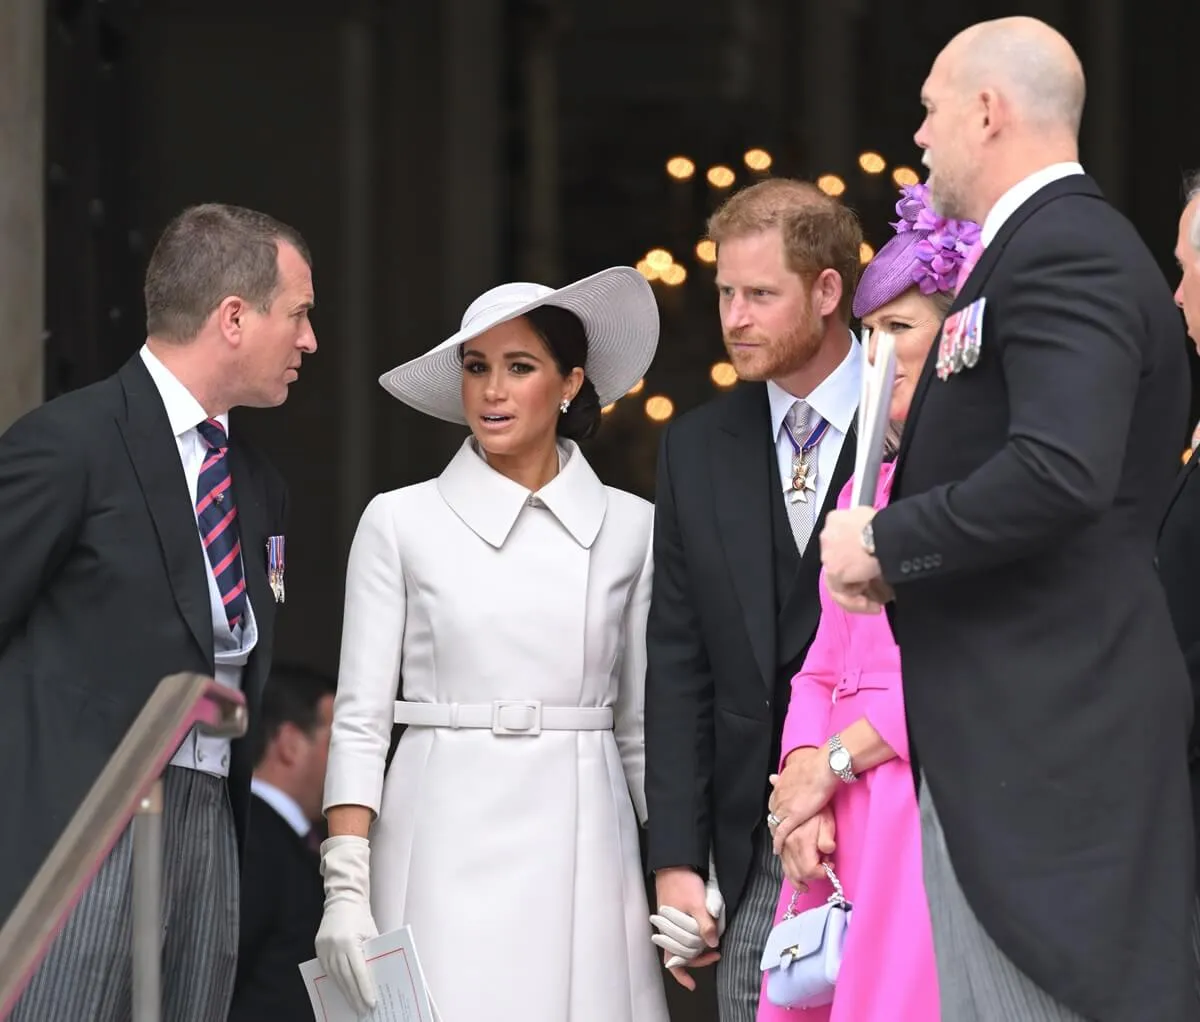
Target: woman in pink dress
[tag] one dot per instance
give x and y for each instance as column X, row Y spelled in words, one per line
column 849, row 785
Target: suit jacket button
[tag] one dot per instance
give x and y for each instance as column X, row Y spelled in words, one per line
column 937, row 560
column 905, row 567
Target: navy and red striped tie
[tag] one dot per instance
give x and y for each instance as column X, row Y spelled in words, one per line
column 216, row 514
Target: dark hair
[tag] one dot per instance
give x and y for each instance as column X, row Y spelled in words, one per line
column 1191, row 186
column 205, row 255
column 563, row 334
column 291, row 696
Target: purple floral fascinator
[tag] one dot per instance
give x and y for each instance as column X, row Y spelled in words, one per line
column 928, row 251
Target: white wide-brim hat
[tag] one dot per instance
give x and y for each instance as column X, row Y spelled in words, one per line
column 616, row 307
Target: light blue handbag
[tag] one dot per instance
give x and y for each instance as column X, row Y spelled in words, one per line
column 803, row 955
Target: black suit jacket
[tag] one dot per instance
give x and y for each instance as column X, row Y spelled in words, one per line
column 725, row 634
column 1179, row 569
column 104, row 593
column 282, row 900
column 1047, row 699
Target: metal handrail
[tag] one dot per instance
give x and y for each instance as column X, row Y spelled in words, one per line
column 129, row 784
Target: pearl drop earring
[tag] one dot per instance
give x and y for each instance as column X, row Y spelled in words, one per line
column 564, row 406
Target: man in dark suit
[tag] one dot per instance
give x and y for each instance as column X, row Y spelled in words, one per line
column 742, row 484
column 1179, row 539
column 1047, row 698
column 282, row 892
column 134, row 534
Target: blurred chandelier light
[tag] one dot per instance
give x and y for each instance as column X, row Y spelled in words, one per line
column 905, row 176
column 706, row 251
column 831, row 185
column 865, row 253
column 680, row 168
column 872, row 163
column 720, row 176
column 658, row 259
column 646, row 270
column 608, row 408
column 723, row 374
column 673, row 275
column 659, row 408
column 637, row 387
column 758, row 159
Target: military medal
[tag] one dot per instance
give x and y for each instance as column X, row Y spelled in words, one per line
column 961, row 340
column 275, row 566
column 804, row 472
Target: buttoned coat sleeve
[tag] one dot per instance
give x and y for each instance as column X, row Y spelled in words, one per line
column 369, row 672
column 679, row 697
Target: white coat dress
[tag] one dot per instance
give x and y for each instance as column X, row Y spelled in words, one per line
column 514, row 858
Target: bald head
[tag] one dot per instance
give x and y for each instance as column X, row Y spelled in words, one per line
column 1029, row 64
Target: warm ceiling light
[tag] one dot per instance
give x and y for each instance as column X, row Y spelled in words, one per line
column 673, row 275
column 905, row 177
column 720, row 176
column 757, row 159
column 831, row 184
column 646, row 270
column 637, row 387
column 608, row 408
column 706, row 251
column 659, row 408
column 872, row 163
column 865, row 253
column 658, row 259
column 680, row 168
column 723, row 374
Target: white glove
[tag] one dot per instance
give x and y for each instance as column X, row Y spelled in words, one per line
column 347, row 922
column 679, row 933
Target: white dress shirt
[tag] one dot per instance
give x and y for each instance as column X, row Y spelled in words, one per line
column 283, row 804
column 1026, row 188
column 231, row 648
column 835, row 399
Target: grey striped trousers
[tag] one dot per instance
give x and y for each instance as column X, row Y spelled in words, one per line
column 86, row 977
column 739, row 977
column 977, row 982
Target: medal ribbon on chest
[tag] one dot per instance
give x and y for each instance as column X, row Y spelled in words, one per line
column 804, row 469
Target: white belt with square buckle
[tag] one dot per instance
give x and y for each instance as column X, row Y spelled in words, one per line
column 506, row 716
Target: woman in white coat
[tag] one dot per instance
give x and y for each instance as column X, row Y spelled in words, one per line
column 499, row 611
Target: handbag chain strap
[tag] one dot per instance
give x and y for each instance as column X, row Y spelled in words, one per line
column 838, row 897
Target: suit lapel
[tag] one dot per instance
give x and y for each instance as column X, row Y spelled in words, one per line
column 798, row 617
column 155, row 457
column 252, row 533
column 1181, row 480
column 973, row 289
column 742, row 468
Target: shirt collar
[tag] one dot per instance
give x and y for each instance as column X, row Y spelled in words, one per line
column 490, row 503
column 184, row 412
column 283, row 804
column 1011, row 201
column 835, row 398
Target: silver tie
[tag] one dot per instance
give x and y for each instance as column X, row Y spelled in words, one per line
column 801, row 514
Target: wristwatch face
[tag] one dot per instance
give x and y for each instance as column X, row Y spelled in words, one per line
column 839, row 760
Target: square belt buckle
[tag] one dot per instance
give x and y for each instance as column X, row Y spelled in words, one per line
column 517, row 717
